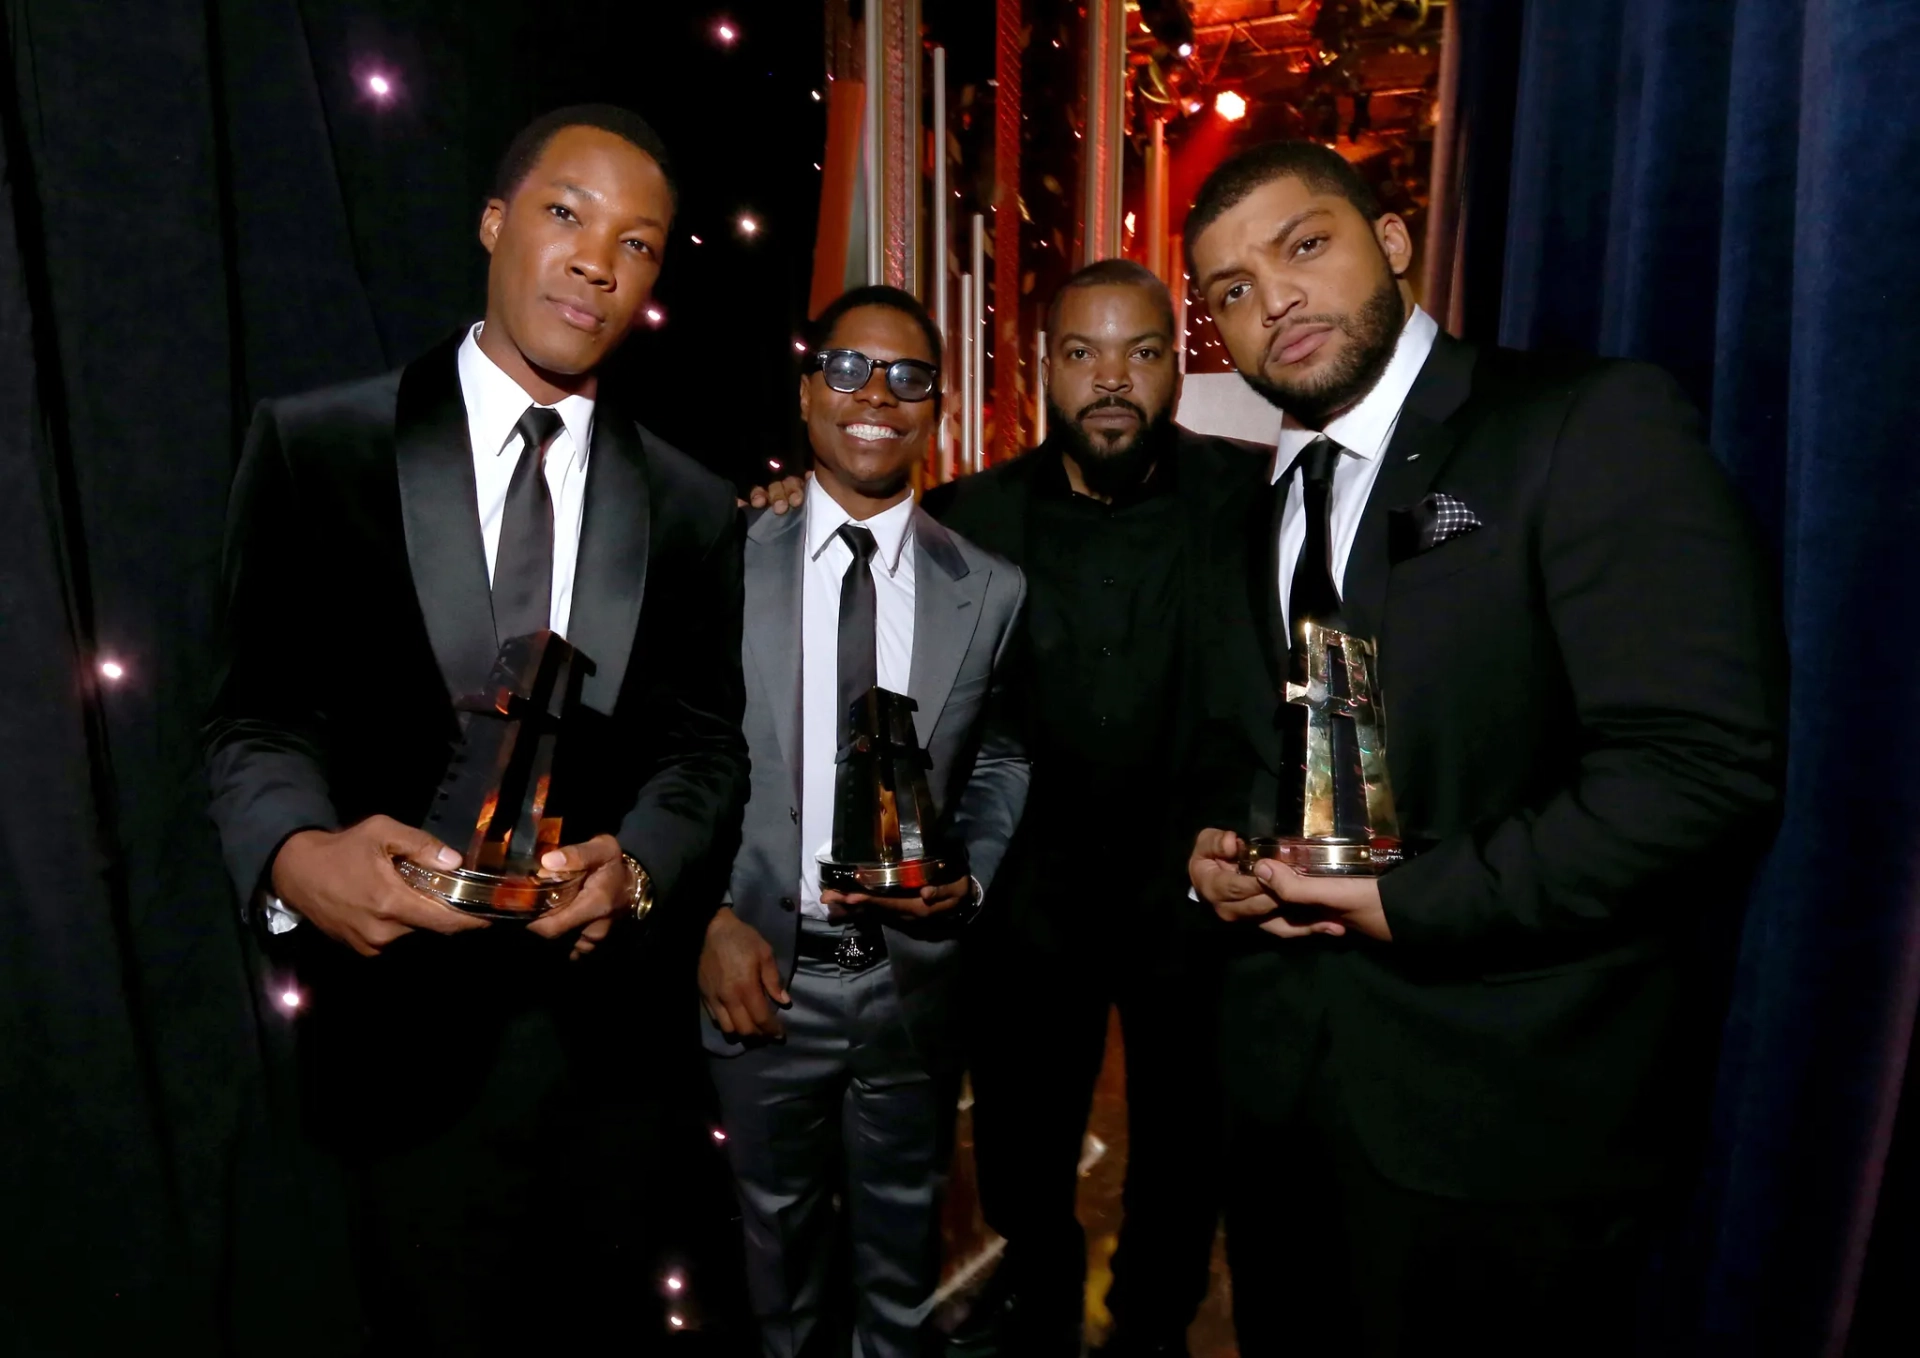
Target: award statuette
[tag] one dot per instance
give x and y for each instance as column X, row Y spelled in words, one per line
column 1347, row 825
column 500, row 804
column 887, row 840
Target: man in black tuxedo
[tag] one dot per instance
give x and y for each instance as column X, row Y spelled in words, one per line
column 1455, row 1089
column 484, row 1085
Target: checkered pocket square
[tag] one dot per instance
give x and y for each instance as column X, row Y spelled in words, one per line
column 1425, row 525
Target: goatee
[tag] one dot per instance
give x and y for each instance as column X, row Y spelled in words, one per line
column 1373, row 330
column 1110, row 471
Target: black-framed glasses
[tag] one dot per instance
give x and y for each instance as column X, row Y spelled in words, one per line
column 849, row 370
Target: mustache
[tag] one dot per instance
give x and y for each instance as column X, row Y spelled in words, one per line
column 1111, row 403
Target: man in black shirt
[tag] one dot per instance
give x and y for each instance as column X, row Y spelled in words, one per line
column 1107, row 519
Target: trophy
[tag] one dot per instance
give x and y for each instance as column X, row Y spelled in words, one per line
column 1347, row 825
column 500, row 804
column 887, row 840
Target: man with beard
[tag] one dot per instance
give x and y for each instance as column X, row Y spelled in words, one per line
column 1456, row 1090
column 1107, row 519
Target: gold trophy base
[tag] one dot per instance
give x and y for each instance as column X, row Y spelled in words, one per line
column 492, row 895
column 1322, row 857
column 890, row 879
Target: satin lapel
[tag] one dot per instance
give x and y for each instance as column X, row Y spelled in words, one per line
column 1421, row 444
column 610, row 572
column 946, row 613
column 440, row 509
column 776, row 556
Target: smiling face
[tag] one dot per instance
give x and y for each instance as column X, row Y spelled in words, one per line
column 866, row 442
column 1306, row 294
column 575, row 254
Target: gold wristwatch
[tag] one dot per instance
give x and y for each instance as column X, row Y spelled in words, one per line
column 641, row 901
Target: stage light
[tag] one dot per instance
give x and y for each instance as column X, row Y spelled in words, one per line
column 747, row 225
column 656, row 317
column 799, row 346
column 1129, row 222
column 1186, row 49
column 290, row 999
column 815, row 94
column 1230, row 106
column 379, row 86
column 719, row 1136
column 726, row 32
column 675, row 1282
column 112, row 671
column 676, row 1322
column 1193, row 105
column 696, row 240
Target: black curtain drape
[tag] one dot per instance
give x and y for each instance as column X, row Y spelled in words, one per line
column 1727, row 187
column 203, row 203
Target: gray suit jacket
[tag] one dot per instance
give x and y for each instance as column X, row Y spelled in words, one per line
column 965, row 607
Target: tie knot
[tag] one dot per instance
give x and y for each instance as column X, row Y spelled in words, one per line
column 536, row 426
column 1316, row 460
column 860, row 540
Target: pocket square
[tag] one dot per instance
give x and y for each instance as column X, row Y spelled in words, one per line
column 1422, row 526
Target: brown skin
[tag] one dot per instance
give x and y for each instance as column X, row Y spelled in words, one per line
column 1288, row 274
column 738, row 974
column 1113, row 345
column 575, row 253
column 1285, row 272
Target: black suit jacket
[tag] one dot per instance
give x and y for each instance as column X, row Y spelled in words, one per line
column 358, row 608
column 1584, row 706
column 1215, row 477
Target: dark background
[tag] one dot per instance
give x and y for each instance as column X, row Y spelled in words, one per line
column 201, row 208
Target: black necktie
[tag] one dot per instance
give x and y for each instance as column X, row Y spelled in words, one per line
column 859, row 671
column 523, row 561
column 1313, row 594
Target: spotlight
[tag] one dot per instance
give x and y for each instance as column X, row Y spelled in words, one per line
column 1186, row 49
column 290, row 999
column 379, row 86
column 676, row 1322
column 799, row 346
column 719, row 1136
column 656, row 316
column 815, row 94
column 696, row 240
column 112, row 671
column 1230, row 106
column 675, row 1282
column 1129, row 221
column 748, row 225
column 1193, row 106
column 726, row 32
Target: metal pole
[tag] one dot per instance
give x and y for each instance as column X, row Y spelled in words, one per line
column 1177, row 268
column 1115, row 129
column 1040, row 387
column 911, row 128
column 966, row 373
column 873, row 74
column 1157, row 202
column 937, row 270
column 1092, row 152
column 978, row 397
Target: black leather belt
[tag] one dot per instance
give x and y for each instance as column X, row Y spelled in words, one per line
column 854, row 950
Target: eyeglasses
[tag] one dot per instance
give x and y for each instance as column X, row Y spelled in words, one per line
column 849, row 370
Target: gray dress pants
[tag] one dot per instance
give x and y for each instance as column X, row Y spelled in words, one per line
column 843, row 1109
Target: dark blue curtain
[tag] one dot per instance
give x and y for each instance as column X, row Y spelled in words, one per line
column 1731, row 188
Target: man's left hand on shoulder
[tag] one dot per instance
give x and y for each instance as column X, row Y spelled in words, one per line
column 605, row 896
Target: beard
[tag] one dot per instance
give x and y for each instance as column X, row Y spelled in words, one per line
column 1372, row 332
column 1113, row 469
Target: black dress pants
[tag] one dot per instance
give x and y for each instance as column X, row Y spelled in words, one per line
column 1038, row 1041
column 1331, row 1260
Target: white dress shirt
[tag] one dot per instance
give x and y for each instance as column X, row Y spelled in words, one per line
column 495, row 403
column 828, row 559
column 1363, row 432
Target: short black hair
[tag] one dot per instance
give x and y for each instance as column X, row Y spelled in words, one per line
column 820, row 328
column 1113, row 273
column 530, row 143
column 1318, row 167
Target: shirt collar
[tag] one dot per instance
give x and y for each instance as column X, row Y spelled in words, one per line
column 825, row 517
column 495, row 403
column 1364, row 427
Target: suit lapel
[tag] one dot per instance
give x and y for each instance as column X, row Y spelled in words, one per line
column 1421, row 444
column 776, row 554
column 610, row 572
column 440, row 510
column 946, row 612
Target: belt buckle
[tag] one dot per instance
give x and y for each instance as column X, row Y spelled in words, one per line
column 855, row 953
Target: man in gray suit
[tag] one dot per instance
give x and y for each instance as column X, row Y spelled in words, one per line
column 830, row 1016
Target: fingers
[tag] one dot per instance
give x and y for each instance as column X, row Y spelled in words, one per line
column 1232, row 894
column 1281, row 927
column 770, row 979
column 589, row 936
column 946, row 896
column 589, row 857
column 599, row 896
column 404, row 841
column 1217, row 844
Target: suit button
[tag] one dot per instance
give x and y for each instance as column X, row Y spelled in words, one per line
column 786, row 902
column 793, row 815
